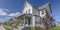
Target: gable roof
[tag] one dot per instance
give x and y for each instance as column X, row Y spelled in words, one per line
column 40, row 7
column 29, row 4
column 44, row 6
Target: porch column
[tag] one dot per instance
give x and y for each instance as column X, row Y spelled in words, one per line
column 27, row 21
column 33, row 18
column 24, row 20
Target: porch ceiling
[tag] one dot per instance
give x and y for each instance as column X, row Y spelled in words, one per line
column 24, row 15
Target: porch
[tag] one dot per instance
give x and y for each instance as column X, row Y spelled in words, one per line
column 29, row 20
column 25, row 20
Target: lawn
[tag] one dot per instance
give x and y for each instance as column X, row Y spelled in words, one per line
column 55, row 28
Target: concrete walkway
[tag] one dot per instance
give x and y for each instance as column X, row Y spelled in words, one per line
column 2, row 28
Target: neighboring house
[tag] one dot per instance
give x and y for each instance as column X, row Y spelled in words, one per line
column 57, row 23
column 32, row 16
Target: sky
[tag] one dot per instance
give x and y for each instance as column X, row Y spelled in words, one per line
column 11, row 8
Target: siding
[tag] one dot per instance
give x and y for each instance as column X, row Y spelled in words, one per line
column 35, row 12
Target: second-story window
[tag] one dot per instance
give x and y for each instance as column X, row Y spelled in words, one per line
column 42, row 12
column 29, row 11
column 26, row 12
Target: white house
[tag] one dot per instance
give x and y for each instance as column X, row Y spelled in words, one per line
column 32, row 16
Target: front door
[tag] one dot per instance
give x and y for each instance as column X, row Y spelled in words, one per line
column 27, row 21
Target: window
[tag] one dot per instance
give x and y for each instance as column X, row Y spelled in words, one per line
column 37, row 21
column 29, row 11
column 26, row 12
column 42, row 12
column 25, row 21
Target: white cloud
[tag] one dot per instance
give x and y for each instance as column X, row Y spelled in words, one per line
column 6, row 9
column 7, row 17
column 14, row 14
column 3, row 12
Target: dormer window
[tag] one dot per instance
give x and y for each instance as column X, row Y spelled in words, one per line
column 29, row 11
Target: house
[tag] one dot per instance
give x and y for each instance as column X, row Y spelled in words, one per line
column 32, row 16
column 57, row 23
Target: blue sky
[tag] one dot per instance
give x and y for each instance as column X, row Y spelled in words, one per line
column 9, row 8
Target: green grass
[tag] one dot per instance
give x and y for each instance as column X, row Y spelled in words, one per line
column 6, row 27
column 55, row 28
